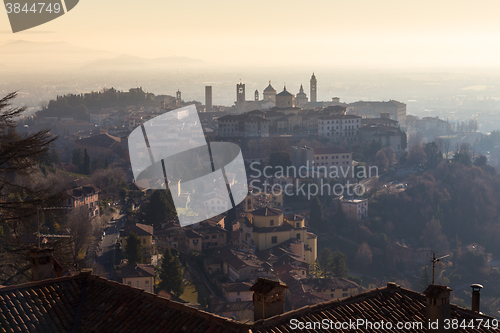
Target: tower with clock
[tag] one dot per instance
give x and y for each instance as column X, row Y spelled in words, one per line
column 240, row 98
column 314, row 87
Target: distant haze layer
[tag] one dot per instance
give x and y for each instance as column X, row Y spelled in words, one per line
column 361, row 33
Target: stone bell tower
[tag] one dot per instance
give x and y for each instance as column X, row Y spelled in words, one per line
column 268, row 298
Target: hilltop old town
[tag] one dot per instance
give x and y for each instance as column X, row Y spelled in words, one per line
column 355, row 217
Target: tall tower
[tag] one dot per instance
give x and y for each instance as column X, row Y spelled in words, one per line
column 314, row 89
column 256, row 95
column 301, row 98
column 240, row 98
column 240, row 92
column 208, row 98
column 269, row 93
column 178, row 98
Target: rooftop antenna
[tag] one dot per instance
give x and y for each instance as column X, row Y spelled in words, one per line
column 434, row 261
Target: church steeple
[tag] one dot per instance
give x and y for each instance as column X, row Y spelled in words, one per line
column 313, row 84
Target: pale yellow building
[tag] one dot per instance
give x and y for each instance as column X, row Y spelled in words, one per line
column 145, row 234
column 139, row 276
column 268, row 227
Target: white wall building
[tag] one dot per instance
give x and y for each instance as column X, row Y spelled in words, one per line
column 339, row 127
column 355, row 209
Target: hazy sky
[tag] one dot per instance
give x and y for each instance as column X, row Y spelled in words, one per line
column 340, row 33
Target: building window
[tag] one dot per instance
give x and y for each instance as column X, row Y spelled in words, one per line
column 214, row 236
column 298, row 236
column 129, row 283
column 345, row 289
column 221, row 236
column 137, row 284
column 344, row 295
column 238, row 300
column 272, row 222
column 274, row 240
column 298, row 225
column 195, row 241
column 238, row 293
column 207, row 237
column 146, row 284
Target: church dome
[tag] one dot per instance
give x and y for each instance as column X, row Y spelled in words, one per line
column 284, row 93
column 270, row 89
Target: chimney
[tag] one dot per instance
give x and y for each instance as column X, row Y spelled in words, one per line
column 44, row 265
column 438, row 307
column 476, row 296
column 268, row 298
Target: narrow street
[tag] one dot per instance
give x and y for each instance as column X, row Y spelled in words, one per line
column 107, row 245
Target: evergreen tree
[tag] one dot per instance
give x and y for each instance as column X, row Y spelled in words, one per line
column 316, row 212
column 339, row 264
column 325, row 257
column 280, row 159
column 171, row 274
column 24, row 192
column 159, row 210
column 133, row 249
column 77, row 158
column 86, row 163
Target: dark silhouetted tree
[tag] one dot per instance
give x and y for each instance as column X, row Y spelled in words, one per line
column 159, row 210
column 416, row 155
column 316, row 212
column 280, row 159
column 339, row 264
column 171, row 274
column 480, row 160
column 133, row 249
column 77, row 158
column 24, row 191
column 86, row 163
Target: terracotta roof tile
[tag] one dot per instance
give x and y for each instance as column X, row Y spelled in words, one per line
column 391, row 303
column 52, row 306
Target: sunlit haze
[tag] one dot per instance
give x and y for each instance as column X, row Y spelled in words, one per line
column 288, row 33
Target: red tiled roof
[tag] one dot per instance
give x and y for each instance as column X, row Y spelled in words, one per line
column 267, row 211
column 138, row 270
column 140, row 229
column 266, row 285
column 390, row 304
column 88, row 303
column 329, row 283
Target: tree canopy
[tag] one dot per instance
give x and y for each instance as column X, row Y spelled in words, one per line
column 24, row 189
column 160, row 209
column 171, row 274
column 133, row 249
